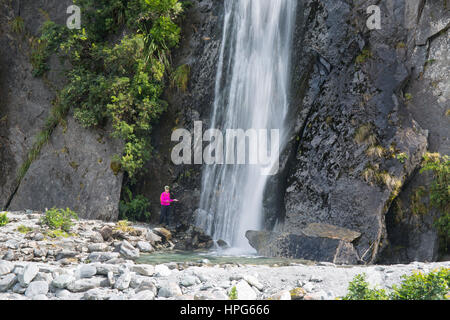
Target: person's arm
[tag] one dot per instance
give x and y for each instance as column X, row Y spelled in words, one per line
column 172, row 200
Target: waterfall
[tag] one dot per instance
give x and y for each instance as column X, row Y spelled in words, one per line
column 252, row 90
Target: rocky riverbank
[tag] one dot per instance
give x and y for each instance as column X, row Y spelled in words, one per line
column 97, row 262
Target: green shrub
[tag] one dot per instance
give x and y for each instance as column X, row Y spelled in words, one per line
column 439, row 192
column 233, row 294
column 3, row 219
column 359, row 290
column 402, row 157
column 58, row 233
column 362, row 58
column 17, row 25
column 59, row 219
column 24, row 229
column 134, row 209
column 180, row 77
column 120, row 83
column 418, row 286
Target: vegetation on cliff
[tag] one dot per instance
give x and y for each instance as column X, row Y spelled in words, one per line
column 439, row 193
column 113, row 78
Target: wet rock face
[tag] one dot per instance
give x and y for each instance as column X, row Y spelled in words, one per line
column 412, row 237
column 25, row 101
column 73, row 169
column 73, row 173
column 353, row 119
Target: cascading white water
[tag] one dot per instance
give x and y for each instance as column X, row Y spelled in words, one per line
column 252, row 89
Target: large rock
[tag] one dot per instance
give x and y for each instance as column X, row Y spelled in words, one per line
column 170, row 289
column 128, row 251
column 163, row 232
column 297, row 246
column 25, row 99
column 143, row 269
column 5, row 267
column 62, row 281
column 7, row 282
column 106, row 232
column 123, row 282
column 80, row 178
column 144, row 295
column 152, row 237
column 36, row 288
column 86, row 271
column 102, row 256
column 84, row 284
column 27, row 275
column 144, row 246
column 244, row 291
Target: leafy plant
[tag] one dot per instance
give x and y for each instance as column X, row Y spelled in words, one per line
column 233, row 294
column 418, row 286
column 17, row 25
column 402, row 157
column 359, row 290
column 3, row 219
column 124, row 226
column 134, row 208
column 24, row 229
column 180, row 77
column 439, row 192
column 362, row 58
column 59, row 219
column 120, row 83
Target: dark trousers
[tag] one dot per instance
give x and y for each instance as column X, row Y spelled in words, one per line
column 165, row 215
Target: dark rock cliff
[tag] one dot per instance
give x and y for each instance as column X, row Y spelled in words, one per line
column 353, row 121
column 73, row 168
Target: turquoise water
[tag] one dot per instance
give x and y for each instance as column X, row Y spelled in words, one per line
column 214, row 258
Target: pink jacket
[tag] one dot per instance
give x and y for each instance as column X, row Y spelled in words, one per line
column 165, row 199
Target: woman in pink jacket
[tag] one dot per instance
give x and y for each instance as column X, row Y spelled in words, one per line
column 165, row 206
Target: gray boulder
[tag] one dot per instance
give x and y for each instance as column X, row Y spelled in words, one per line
column 62, row 281
column 244, row 291
column 102, row 256
column 123, row 282
column 297, row 246
column 144, row 295
column 128, row 251
column 170, row 289
column 5, row 267
column 86, row 271
column 36, row 288
column 7, row 282
column 97, row 247
column 84, row 284
column 144, row 246
column 152, row 237
column 28, row 274
column 147, row 284
column 144, row 269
